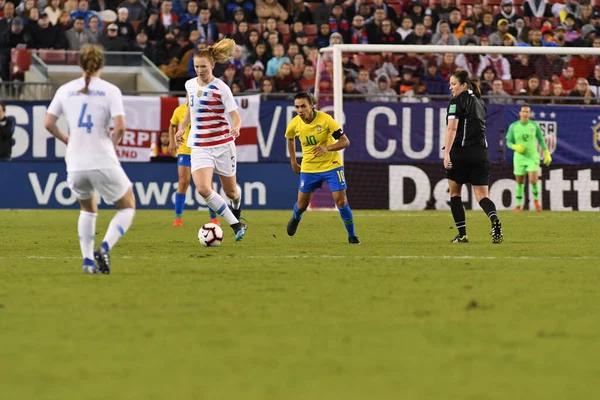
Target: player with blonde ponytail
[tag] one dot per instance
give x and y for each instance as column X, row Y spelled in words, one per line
column 211, row 136
column 88, row 104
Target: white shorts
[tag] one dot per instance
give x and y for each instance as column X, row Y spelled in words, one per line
column 221, row 158
column 112, row 183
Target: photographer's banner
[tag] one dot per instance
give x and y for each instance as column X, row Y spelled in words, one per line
column 44, row 185
column 146, row 117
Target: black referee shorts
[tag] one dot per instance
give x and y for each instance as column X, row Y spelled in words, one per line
column 470, row 165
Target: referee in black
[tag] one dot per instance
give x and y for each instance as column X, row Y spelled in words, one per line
column 466, row 156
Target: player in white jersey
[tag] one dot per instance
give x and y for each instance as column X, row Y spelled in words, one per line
column 88, row 104
column 211, row 137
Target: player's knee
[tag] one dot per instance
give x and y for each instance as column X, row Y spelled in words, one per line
column 231, row 193
column 183, row 184
column 204, row 191
column 341, row 203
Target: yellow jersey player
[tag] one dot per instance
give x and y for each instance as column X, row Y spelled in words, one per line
column 184, row 166
column 321, row 139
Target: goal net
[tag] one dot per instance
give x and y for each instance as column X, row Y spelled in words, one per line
column 391, row 101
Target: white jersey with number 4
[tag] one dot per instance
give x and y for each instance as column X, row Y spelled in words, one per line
column 209, row 107
column 88, row 117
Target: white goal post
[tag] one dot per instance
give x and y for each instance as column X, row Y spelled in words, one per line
column 338, row 49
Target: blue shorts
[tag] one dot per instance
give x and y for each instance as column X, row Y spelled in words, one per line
column 311, row 181
column 183, row 160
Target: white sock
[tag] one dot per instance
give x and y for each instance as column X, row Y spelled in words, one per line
column 235, row 203
column 117, row 227
column 86, row 228
column 218, row 205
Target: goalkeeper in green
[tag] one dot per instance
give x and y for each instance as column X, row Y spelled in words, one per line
column 521, row 137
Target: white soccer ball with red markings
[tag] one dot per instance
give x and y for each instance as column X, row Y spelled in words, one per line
column 210, row 235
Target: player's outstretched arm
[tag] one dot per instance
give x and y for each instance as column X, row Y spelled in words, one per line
column 50, row 125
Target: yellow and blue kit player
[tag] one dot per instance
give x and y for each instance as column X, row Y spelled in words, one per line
column 184, row 166
column 321, row 139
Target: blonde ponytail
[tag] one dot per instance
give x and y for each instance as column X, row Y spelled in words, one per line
column 218, row 53
column 91, row 60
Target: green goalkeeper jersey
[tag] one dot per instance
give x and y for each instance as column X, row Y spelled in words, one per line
column 526, row 134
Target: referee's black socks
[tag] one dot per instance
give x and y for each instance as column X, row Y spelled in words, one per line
column 458, row 212
column 489, row 208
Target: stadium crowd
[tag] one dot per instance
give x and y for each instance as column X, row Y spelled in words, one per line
column 278, row 42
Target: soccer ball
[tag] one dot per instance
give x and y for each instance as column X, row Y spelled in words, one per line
column 210, row 235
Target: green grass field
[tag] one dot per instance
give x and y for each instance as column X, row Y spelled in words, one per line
column 406, row 315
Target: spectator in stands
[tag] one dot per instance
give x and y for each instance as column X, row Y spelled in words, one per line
column 350, row 67
column 229, row 73
column 573, row 7
column 325, row 87
column 5, row 22
column 238, row 17
column 160, row 148
column 509, row 40
column 507, row 12
column 500, row 65
column 388, row 11
column 31, row 17
column 588, row 33
column 271, row 8
column 259, row 54
column 444, row 36
column 111, row 41
column 153, row 27
column 78, row 36
column 387, row 67
column 476, row 17
column 419, row 35
column 142, row 44
column 255, row 81
column 533, row 88
column 469, row 35
column 442, row 10
column 25, row 6
column 64, row 22
column 486, row 27
column 103, row 5
column 364, row 83
column 594, row 82
column 350, row 90
column 474, row 64
column 322, row 12
column 498, row 95
column 568, row 79
column 338, row 21
column 428, row 24
column 7, row 128
column 322, row 39
column 271, row 27
column 137, row 11
column 54, row 9
column 549, row 67
column 433, row 81
column 358, row 33
column 46, row 36
column 18, row 36
column 307, row 80
column 457, row 24
column 246, row 77
column 284, row 79
column 582, row 90
column 272, row 41
column 125, row 28
column 84, row 11
column 447, row 66
column 496, row 37
column 294, row 49
column 583, row 65
column 556, row 95
column 298, row 11
column 404, row 32
column 190, row 15
column 406, row 81
column 383, row 93
column 242, row 35
column 537, row 8
column 267, row 87
column 167, row 50
column 413, row 62
column 416, row 12
column 522, row 67
column 247, row 5
column 570, row 24
column 275, row 62
column 388, row 34
column 167, row 16
column 298, row 65
column 416, row 94
column 217, row 10
column 253, row 39
column 587, row 15
column 208, row 31
column 237, row 86
column 520, row 31
column 373, row 26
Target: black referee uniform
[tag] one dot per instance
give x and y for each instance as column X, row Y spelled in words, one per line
column 469, row 153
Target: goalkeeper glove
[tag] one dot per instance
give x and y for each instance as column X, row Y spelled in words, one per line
column 547, row 158
column 519, row 148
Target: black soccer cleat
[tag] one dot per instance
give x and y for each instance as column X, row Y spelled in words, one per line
column 497, row 232
column 240, row 230
column 236, row 213
column 102, row 260
column 292, row 226
column 353, row 240
column 460, row 239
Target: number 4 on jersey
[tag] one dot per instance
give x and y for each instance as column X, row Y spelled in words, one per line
column 85, row 121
